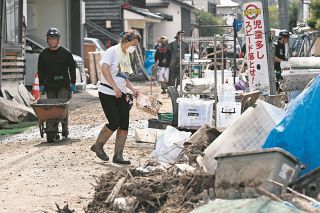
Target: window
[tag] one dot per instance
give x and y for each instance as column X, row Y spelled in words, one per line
column 212, row 8
column 13, row 20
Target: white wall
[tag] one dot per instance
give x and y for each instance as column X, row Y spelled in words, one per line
column 168, row 28
column 129, row 24
column 43, row 14
column 201, row 4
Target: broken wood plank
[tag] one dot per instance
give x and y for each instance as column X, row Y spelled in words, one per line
column 7, row 70
column 265, row 192
column 115, row 190
column 17, row 76
column 12, row 63
column 92, row 69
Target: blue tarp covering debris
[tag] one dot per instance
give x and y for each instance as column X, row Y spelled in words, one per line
column 299, row 131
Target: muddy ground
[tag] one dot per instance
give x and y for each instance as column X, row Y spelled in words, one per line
column 34, row 175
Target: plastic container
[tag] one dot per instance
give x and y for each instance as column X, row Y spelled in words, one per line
column 247, row 133
column 194, row 113
column 248, row 170
column 157, row 124
column 227, row 113
column 167, row 116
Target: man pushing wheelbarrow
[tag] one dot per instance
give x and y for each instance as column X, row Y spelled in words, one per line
column 57, row 77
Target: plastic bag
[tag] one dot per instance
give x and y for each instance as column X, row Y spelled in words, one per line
column 169, row 145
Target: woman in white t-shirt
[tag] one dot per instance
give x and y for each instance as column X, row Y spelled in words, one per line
column 115, row 65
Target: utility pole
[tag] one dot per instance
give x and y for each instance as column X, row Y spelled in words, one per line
column 283, row 14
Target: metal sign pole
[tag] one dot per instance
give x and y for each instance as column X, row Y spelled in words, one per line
column 267, row 38
column 269, row 47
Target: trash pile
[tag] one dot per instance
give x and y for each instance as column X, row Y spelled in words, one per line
column 157, row 191
column 15, row 104
column 266, row 160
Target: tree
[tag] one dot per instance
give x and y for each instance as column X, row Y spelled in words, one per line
column 293, row 13
column 314, row 21
column 205, row 18
column 274, row 16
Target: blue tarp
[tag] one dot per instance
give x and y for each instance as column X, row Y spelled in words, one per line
column 149, row 62
column 299, row 131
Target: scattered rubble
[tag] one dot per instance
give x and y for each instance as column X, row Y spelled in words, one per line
column 157, row 191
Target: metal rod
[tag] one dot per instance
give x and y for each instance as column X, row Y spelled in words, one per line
column 302, row 46
column 222, row 62
column 212, row 25
column 313, row 42
column 234, row 56
column 215, row 78
column 180, row 67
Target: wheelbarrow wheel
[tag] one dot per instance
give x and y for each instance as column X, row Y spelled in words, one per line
column 41, row 128
column 50, row 137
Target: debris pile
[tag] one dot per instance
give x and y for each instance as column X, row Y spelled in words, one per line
column 157, row 191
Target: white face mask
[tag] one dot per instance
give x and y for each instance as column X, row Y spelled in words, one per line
column 131, row 49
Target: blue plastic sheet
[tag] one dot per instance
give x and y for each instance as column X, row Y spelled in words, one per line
column 299, row 131
column 149, row 62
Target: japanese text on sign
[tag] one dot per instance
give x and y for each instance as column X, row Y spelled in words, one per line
column 256, row 46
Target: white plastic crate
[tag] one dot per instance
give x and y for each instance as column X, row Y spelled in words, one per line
column 194, row 113
column 247, row 133
column 209, row 74
column 227, row 113
column 226, row 93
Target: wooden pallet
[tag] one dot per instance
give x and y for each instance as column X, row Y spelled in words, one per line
column 13, row 67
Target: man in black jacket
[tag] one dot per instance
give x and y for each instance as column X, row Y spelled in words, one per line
column 176, row 51
column 280, row 55
column 57, row 73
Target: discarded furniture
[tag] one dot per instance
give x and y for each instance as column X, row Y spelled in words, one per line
column 247, row 133
column 239, row 174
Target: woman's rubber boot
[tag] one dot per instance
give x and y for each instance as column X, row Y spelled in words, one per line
column 119, row 146
column 103, row 137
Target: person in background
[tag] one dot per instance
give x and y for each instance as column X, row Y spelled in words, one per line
column 115, row 67
column 57, row 73
column 280, row 55
column 162, row 58
column 157, row 44
column 174, row 47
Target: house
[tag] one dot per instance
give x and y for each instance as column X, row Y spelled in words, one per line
column 11, row 46
column 228, row 9
column 106, row 20
column 64, row 14
column 209, row 6
column 177, row 15
column 23, row 18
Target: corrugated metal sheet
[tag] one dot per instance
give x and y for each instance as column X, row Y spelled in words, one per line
column 186, row 21
column 99, row 12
